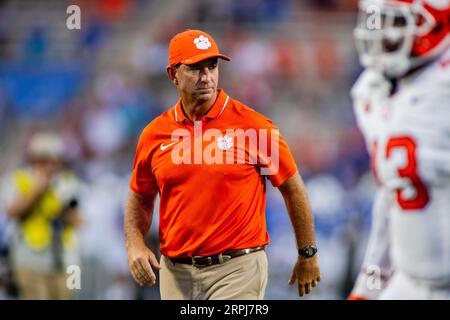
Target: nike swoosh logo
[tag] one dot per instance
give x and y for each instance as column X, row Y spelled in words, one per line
column 163, row 147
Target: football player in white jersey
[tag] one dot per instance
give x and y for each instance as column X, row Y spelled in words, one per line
column 402, row 106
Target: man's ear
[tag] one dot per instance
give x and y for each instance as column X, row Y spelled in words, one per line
column 171, row 73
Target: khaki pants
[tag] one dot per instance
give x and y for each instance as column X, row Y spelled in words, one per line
column 241, row 278
column 34, row 285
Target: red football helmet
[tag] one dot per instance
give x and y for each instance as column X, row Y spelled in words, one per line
column 398, row 35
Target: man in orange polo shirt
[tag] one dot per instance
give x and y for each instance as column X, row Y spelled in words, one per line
column 208, row 157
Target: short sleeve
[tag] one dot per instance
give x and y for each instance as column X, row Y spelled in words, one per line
column 275, row 158
column 142, row 179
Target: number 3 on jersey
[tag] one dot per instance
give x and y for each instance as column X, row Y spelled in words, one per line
column 409, row 171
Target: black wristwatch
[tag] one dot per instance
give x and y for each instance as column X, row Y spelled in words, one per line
column 308, row 251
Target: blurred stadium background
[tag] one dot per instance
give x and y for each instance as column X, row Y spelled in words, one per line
column 294, row 61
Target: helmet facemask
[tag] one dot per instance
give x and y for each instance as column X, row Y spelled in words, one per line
column 385, row 35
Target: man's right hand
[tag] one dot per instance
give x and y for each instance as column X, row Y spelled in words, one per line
column 140, row 261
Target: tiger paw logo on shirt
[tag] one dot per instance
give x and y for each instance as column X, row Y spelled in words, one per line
column 225, row 142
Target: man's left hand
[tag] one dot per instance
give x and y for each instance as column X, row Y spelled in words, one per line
column 306, row 273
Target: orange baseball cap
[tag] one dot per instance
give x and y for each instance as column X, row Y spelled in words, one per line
column 192, row 46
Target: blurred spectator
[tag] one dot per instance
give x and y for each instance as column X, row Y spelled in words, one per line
column 92, row 38
column 42, row 199
column 104, row 260
column 114, row 10
column 36, row 45
column 4, row 265
column 332, row 217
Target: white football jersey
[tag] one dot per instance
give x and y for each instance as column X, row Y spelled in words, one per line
column 408, row 138
column 370, row 96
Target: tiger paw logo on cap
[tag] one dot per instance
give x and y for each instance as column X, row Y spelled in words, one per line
column 182, row 50
column 202, row 42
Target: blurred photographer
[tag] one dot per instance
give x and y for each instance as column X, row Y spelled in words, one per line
column 42, row 200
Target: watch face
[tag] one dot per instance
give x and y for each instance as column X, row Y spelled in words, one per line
column 308, row 251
